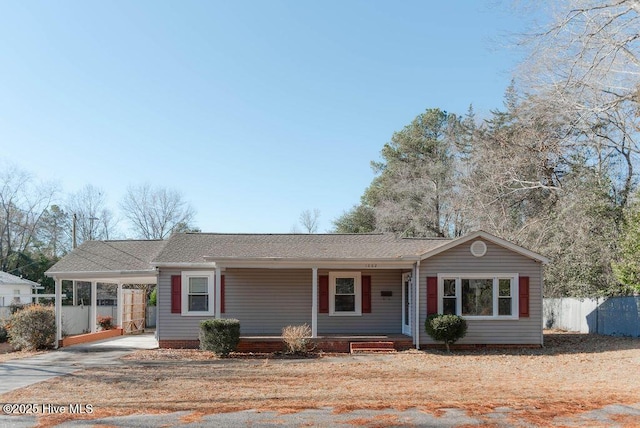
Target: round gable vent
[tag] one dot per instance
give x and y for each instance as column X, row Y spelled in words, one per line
column 478, row 248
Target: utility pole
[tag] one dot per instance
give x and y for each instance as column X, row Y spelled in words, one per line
column 73, row 231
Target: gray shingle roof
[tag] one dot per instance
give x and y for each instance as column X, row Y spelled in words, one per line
column 194, row 247
column 8, row 279
column 107, row 256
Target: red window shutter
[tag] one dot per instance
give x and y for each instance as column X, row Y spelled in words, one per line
column 323, row 294
column 524, row 296
column 176, row 294
column 432, row 295
column 222, row 294
column 366, row 294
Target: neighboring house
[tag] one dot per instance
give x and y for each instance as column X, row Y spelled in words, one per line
column 14, row 289
column 360, row 284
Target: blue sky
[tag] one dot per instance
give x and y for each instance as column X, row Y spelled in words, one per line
column 255, row 110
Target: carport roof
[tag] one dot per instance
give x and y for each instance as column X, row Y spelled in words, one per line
column 109, row 256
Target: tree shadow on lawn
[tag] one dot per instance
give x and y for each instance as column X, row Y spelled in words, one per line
column 563, row 343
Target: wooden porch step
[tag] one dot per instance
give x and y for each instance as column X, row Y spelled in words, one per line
column 377, row 347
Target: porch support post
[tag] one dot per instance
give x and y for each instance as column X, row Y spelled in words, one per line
column 416, row 286
column 314, row 302
column 75, row 293
column 218, row 291
column 58, row 310
column 120, row 307
column 93, row 318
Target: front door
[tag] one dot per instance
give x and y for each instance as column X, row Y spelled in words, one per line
column 407, row 281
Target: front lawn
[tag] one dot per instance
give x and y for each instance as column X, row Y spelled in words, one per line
column 572, row 374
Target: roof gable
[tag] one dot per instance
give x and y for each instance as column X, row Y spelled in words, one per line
column 489, row 237
column 8, row 279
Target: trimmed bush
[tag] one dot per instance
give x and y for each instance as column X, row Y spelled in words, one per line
column 446, row 328
column 33, row 327
column 219, row 335
column 297, row 338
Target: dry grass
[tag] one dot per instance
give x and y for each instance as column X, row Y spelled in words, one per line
column 8, row 353
column 572, row 374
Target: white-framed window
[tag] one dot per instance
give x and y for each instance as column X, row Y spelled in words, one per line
column 197, row 293
column 345, row 293
column 479, row 296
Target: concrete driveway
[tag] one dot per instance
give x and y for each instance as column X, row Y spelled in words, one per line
column 27, row 371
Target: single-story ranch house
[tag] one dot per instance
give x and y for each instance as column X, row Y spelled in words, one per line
column 341, row 285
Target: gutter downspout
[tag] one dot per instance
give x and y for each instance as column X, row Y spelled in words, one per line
column 417, row 309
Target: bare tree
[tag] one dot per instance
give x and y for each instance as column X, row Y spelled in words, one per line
column 88, row 208
column 309, row 220
column 585, row 60
column 22, row 205
column 155, row 213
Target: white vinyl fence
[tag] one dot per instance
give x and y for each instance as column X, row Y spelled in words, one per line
column 613, row 316
column 75, row 319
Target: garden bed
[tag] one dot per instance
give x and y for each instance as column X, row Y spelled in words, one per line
column 90, row 337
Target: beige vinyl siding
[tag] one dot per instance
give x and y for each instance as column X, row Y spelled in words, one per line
column 497, row 260
column 386, row 312
column 266, row 300
column 173, row 326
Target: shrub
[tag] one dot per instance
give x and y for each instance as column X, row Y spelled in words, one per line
column 4, row 334
column 219, row 335
column 446, row 328
column 15, row 307
column 33, row 327
column 297, row 338
column 105, row 322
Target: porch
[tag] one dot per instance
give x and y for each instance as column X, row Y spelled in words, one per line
column 341, row 343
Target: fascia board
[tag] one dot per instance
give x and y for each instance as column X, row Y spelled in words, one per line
column 491, row 238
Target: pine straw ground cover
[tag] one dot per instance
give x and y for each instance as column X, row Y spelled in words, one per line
column 572, row 374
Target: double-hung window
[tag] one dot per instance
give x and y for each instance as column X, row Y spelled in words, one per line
column 345, row 295
column 479, row 296
column 197, row 293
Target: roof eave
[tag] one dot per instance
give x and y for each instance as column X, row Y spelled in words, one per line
column 100, row 274
column 332, row 262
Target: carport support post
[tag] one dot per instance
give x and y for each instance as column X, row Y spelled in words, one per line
column 93, row 319
column 314, row 302
column 416, row 289
column 120, row 306
column 75, row 293
column 218, row 290
column 58, row 310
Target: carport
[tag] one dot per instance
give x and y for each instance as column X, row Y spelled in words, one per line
column 111, row 262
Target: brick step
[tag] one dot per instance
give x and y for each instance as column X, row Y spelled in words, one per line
column 373, row 351
column 371, row 347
